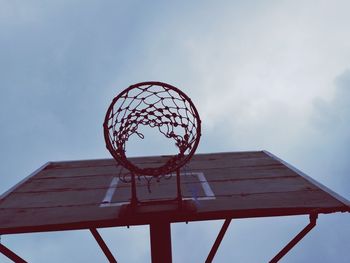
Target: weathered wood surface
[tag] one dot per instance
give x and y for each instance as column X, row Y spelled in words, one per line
column 68, row 195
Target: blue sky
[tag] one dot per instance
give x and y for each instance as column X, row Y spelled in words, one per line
column 271, row 75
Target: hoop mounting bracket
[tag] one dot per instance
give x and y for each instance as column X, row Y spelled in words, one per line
column 11, row 255
column 103, row 245
column 218, row 240
column 296, row 239
column 283, row 251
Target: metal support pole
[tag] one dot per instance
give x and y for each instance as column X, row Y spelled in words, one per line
column 296, row 239
column 134, row 200
column 178, row 184
column 160, row 235
column 103, row 245
column 11, row 255
column 218, row 240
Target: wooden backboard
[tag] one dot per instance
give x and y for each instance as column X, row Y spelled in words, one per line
column 93, row 193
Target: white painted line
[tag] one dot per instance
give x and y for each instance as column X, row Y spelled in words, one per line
column 184, row 198
column 111, row 190
column 200, row 198
column 114, row 204
column 209, row 194
column 206, row 187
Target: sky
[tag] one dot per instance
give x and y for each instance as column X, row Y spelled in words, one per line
column 272, row 75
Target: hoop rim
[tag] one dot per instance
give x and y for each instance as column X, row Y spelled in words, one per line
column 154, row 171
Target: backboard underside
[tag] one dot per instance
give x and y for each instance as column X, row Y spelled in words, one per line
column 93, row 193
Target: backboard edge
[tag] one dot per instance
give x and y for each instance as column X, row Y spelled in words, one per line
column 311, row 180
column 6, row 193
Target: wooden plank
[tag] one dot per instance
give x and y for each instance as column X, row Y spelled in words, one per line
column 26, row 179
column 218, row 157
column 43, row 217
column 313, row 199
column 80, row 171
column 38, row 185
column 263, row 186
column 50, row 199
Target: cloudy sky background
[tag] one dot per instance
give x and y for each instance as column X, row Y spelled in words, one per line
column 271, row 75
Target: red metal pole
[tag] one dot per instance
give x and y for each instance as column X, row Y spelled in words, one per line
column 134, row 200
column 11, row 255
column 218, row 240
column 103, row 245
column 296, row 239
column 160, row 235
column 178, row 186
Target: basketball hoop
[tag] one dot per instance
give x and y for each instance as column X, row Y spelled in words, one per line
column 156, row 105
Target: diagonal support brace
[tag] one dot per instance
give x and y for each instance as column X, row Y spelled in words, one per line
column 103, row 245
column 11, row 255
column 218, row 241
column 296, row 239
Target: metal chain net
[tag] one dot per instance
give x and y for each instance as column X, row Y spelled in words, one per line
column 157, row 105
